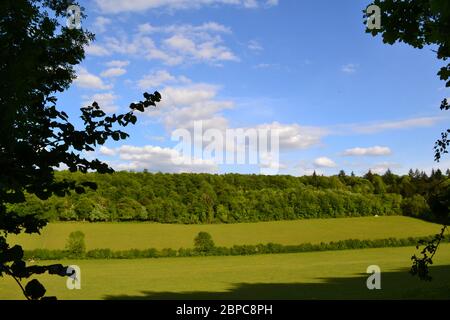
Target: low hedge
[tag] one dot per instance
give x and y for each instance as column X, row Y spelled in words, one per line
column 236, row 250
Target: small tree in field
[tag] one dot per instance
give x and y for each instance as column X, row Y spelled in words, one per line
column 76, row 244
column 203, row 242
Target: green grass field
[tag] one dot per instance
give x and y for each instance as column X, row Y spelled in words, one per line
column 120, row 236
column 316, row 275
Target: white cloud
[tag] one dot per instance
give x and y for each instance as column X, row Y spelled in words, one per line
column 155, row 159
column 178, row 44
column 371, row 151
column 206, row 27
column 255, row 45
column 160, row 77
column 294, row 136
column 183, row 105
column 264, row 66
column 89, row 81
column 116, row 6
column 381, row 168
column 324, row 162
column 101, row 23
column 401, row 124
column 107, row 151
column 349, row 68
column 192, row 48
column 272, row 3
column 113, row 72
column 117, row 63
column 106, row 101
column 96, row 50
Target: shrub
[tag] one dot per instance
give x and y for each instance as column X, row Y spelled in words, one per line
column 203, row 242
column 75, row 245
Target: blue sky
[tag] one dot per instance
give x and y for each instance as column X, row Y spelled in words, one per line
column 341, row 98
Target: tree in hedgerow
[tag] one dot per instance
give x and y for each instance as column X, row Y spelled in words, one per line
column 203, row 242
column 38, row 54
column 420, row 24
column 76, row 245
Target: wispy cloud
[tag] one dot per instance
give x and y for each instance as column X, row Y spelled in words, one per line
column 397, row 125
column 101, row 23
column 117, row 6
column 349, row 68
column 370, row 151
column 254, row 45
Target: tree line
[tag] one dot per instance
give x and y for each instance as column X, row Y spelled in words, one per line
column 212, row 250
column 229, row 198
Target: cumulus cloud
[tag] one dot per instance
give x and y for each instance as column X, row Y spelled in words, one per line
column 157, row 78
column 192, row 48
column 294, row 136
column 324, row 162
column 155, row 159
column 183, row 105
column 107, row 151
column 113, row 72
column 106, row 101
column 117, row 6
column 370, row 151
column 89, row 81
column 177, row 44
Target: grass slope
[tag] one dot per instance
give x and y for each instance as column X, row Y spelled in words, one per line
column 318, row 275
column 120, row 236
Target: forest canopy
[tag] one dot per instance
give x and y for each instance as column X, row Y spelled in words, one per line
column 206, row 198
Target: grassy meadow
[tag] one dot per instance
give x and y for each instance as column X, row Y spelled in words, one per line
column 316, row 275
column 122, row 236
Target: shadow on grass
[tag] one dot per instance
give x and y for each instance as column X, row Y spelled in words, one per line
column 394, row 285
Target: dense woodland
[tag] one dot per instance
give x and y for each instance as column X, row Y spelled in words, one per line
column 229, row 198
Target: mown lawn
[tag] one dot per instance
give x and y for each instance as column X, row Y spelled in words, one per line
column 316, row 275
column 120, row 236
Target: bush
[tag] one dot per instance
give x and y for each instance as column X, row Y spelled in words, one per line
column 99, row 254
column 75, row 245
column 203, row 242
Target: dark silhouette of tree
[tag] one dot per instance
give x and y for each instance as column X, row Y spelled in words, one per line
column 37, row 58
column 421, row 23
